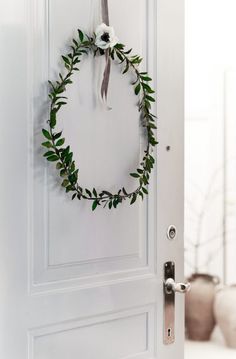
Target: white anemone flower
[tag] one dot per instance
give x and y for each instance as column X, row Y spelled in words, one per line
column 105, row 37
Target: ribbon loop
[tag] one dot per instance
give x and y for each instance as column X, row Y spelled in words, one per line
column 105, row 12
column 107, row 70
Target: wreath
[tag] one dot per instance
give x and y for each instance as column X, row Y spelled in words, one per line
column 102, row 43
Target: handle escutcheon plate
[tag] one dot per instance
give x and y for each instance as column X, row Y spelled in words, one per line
column 169, row 305
column 170, row 287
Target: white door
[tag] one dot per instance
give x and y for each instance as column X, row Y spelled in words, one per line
column 76, row 283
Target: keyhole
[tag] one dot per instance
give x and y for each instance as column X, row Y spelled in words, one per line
column 169, row 332
column 171, row 232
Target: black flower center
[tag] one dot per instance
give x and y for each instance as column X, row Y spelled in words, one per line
column 105, row 37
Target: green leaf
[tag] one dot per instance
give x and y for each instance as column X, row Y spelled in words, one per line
column 69, row 188
column 95, row 192
column 81, row 35
column 73, row 197
column 149, row 98
column 59, row 166
column 69, row 81
column 153, row 142
column 46, row 134
column 72, row 168
column 124, row 191
column 49, row 153
column 61, row 90
column 120, row 57
column 65, row 183
column 126, row 69
column 75, row 174
column 152, row 159
column 141, row 194
column 65, row 152
column 88, row 192
column 87, row 43
column 101, row 51
column 152, row 125
column 115, row 202
column 66, row 60
column 145, row 190
column 47, row 144
column 135, row 175
column 84, row 51
column 146, row 78
column 57, row 135
column 53, row 119
column 136, row 59
column 63, row 173
column 60, row 142
column 137, row 89
column 75, row 42
column 106, row 193
column 148, row 88
column 145, row 181
column 51, row 84
column 95, row 204
column 119, row 46
column 134, row 197
column 72, row 178
column 112, row 54
column 147, row 104
column 128, row 52
column 53, row 158
column 68, row 158
column 61, row 103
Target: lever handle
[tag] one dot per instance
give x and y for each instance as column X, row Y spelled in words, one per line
column 171, row 286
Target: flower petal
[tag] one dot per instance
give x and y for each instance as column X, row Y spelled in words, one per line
column 102, row 44
column 114, row 41
column 101, row 29
column 111, row 31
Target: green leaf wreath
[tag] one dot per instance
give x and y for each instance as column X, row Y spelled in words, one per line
column 62, row 155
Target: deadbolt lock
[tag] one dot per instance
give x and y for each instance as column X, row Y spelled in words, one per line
column 171, row 232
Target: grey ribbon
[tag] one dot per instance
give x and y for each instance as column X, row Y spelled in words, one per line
column 105, row 12
column 107, row 71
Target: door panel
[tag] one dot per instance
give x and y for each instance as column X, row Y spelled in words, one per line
column 110, row 334
column 69, row 241
column 77, row 283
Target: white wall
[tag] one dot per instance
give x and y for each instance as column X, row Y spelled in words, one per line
column 210, row 118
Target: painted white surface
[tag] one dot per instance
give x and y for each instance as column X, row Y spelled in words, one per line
column 74, row 283
column 210, row 109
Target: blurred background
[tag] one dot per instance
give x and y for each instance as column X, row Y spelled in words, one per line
column 210, row 178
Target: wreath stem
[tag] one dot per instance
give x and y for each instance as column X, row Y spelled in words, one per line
column 63, row 156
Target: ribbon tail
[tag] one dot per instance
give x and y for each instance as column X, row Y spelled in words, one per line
column 106, row 78
column 107, row 71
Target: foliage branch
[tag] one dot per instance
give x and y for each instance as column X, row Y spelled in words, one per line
column 62, row 155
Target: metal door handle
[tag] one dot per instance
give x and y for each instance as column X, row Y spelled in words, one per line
column 172, row 286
